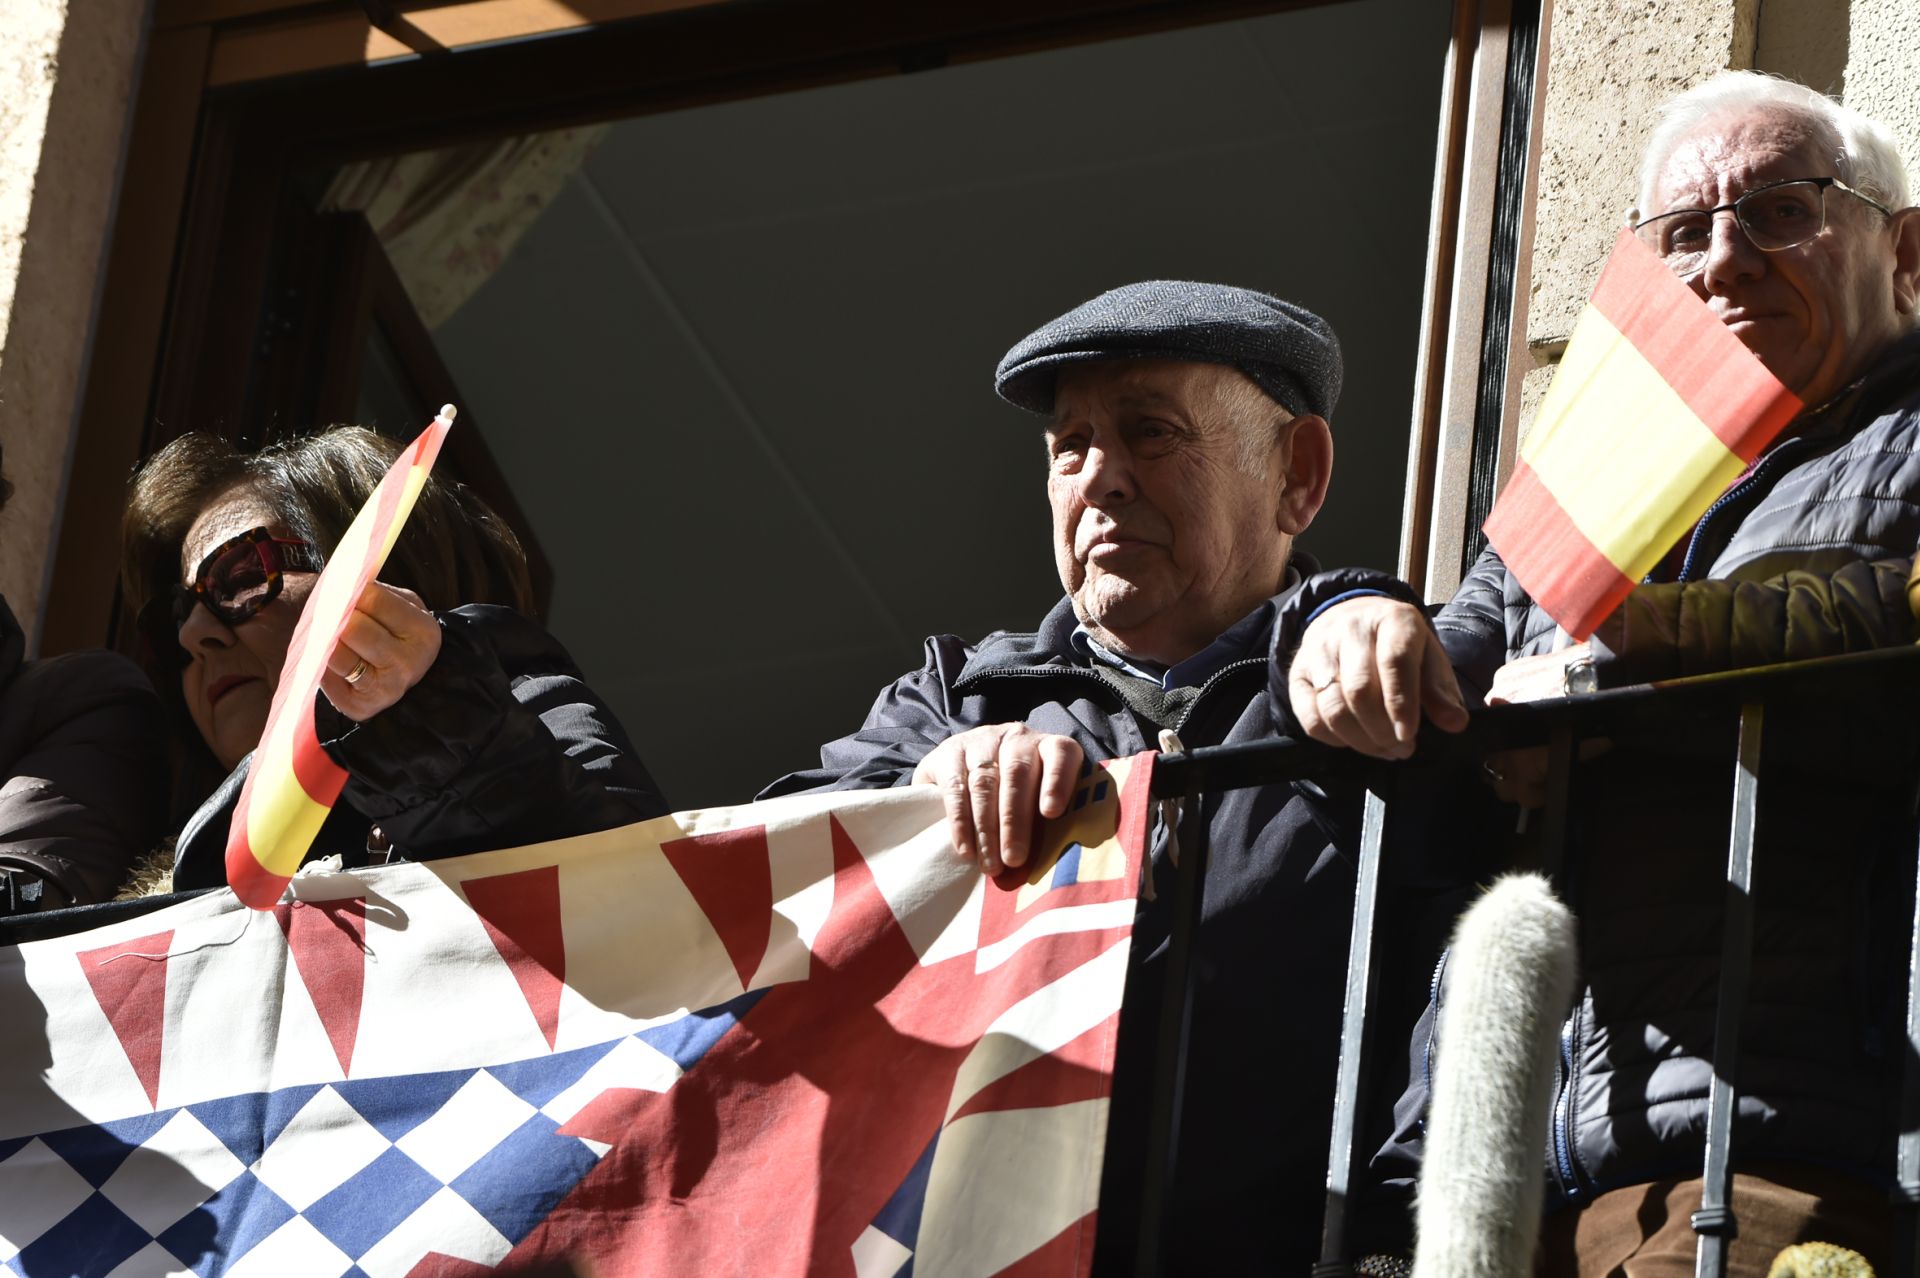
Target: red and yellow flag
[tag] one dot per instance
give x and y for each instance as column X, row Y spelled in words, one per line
column 292, row 783
column 1656, row 408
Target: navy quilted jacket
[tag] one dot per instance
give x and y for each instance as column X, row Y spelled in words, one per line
column 1272, row 946
column 501, row 744
column 1807, row 556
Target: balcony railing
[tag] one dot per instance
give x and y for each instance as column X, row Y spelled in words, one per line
column 1740, row 699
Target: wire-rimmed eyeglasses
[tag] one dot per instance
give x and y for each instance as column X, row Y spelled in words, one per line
column 1774, row 217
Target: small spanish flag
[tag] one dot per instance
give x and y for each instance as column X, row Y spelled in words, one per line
column 1655, row 409
column 292, row 783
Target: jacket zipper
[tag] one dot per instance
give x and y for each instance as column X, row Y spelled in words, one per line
column 1739, row 489
column 1207, row 687
column 1433, row 1028
column 1067, row 672
column 1570, row 1185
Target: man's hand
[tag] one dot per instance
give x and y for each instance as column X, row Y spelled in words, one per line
column 997, row 781
column 1366, row 671
column 389, row 643
column 1535, row 678
column 1520, row 776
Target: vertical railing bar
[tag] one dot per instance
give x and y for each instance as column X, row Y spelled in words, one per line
column 1907, row 1160
column 1347, row 1101
column 1553, row 825
column 1715, row 1221
column 1176, row 1016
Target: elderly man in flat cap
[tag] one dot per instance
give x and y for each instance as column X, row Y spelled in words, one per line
column 1187, row 446
column 1789, row 216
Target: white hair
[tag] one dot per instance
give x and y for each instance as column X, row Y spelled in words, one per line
column 1865, row 155
column 1257, row 420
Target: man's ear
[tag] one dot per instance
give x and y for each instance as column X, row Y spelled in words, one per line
column 1906, row 261
column 1306, row 466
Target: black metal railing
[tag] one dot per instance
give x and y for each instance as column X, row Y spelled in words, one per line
column 1740, row 699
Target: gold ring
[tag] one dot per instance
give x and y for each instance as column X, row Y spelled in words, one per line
column 358, row 672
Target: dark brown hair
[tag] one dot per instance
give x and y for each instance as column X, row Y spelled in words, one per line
column 454, row 550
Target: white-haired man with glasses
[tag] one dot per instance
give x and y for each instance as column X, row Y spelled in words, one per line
column 1788, row 215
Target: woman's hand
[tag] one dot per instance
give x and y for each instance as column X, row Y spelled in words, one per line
column 390, row 642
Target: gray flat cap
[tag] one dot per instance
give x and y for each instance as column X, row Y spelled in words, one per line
column 1286, row 350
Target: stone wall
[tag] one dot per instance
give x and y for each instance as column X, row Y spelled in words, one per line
column 67, row 72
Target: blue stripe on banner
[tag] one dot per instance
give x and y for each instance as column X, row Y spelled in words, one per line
column 94, row 1238
column 368, row 1207
column 225, row 1227
column 544, row 1077
column 693, row 1035
column 97, row 1152
column 241, row 1122
column 281, row 1108
column 524, row 1176
column 1066, row 871
column 395, row 1106
column 900, row 1218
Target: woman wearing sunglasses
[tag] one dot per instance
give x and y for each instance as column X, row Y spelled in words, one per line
column 463, row 725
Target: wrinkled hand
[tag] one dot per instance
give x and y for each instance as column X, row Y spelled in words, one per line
column 1535, row 678
column 997, row 781
column 1365, row 672
column 390, row 630
column 1520, row 776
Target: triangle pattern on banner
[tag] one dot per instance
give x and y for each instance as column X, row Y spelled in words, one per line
column 328, row 942
column 521, row 912
column 97, row 1152
column 132, row 991
column 731, row 879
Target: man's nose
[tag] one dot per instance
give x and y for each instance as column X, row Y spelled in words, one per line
column 202, row 630
column 1106, row 478
column 1731, row 255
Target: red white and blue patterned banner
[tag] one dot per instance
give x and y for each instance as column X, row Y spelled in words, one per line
column 800, row 1037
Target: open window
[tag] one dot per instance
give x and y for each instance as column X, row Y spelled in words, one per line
column 729, row 375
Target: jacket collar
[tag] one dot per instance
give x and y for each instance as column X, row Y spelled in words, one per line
column 1893, row 376
column 1051, row 647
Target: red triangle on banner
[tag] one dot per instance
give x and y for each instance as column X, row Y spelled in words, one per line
column 133, row 994
column 328, row 941
column 731, row 879
column 521, row 912
column 1069, row 1252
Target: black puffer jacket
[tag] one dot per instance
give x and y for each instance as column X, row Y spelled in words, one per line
column 1808, row 556
column 84, row 774
column 1272, row 947
column 500, row 744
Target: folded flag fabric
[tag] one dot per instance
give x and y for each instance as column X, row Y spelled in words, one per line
column 1654, row 410
column 799, row 1037
column 293, row 783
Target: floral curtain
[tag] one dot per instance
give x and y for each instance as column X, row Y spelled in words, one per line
column 448, row 218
